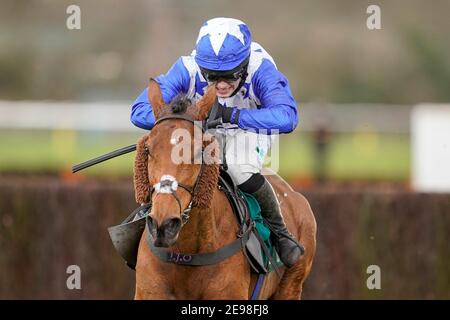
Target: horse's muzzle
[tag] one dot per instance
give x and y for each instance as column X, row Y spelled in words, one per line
column 166, row 235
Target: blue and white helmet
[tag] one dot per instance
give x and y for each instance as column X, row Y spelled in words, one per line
column 223, row 44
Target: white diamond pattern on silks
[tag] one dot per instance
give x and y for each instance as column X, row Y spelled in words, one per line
column 218, row 28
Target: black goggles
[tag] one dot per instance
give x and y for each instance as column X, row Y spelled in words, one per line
column 230, row 76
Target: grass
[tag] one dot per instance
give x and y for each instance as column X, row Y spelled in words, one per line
column 350, row 156
column 54, row 151
column 363, row 155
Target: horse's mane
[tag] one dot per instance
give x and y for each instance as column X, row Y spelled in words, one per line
column 180, row 104
column 206, row 186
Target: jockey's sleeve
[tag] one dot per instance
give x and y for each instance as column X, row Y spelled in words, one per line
column 278, row 109
column 174, row 82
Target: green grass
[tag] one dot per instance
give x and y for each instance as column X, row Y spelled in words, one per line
column 351, row 156
column 31, row 151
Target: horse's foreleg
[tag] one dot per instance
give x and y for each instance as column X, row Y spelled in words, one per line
column 138, row 294
column 291, row 285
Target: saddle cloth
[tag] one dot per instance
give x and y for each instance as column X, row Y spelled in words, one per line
column 259, row 246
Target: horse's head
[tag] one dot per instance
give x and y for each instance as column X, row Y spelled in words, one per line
column 172, row 168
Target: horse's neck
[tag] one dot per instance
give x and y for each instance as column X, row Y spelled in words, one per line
column 198, row 235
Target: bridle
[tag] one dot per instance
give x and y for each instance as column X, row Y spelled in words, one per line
column 170, row 185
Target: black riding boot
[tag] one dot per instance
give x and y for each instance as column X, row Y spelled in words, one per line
column 287, row 247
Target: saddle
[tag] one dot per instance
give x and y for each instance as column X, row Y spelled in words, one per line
column 261, row 257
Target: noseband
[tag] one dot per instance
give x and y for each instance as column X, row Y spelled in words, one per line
column 168, row 184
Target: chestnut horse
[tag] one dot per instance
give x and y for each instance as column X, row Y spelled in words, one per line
column 212, row 224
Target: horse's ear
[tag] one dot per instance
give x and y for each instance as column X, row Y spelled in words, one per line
column 155, row 98
column 206, row 102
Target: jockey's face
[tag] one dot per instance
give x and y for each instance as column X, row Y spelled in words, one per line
column 226, row 82
column 224, row 89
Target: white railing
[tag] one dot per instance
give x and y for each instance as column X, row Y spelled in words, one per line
column 115, row 116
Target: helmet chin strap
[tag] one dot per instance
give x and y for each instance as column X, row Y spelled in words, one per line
column 241, row 83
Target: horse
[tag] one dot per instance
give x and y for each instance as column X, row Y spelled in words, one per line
column 212, row 224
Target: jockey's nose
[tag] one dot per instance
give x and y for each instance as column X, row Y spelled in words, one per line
column 167, row 233
column 222, row 85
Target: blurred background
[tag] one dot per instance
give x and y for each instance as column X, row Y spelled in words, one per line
column 371, row 152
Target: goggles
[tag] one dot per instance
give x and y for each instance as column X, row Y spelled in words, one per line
column 227, row 76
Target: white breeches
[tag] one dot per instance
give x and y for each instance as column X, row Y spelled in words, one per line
column 245, row 153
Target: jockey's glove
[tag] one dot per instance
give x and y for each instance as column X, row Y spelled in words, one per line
column 228, row 115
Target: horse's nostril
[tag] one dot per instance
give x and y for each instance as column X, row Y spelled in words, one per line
column 174, row 223
column 171, row 227
column 167, row 233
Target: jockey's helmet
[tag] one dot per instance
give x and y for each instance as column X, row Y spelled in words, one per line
column 223, row 48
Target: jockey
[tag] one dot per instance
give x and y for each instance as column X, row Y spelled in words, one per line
column 254, row 99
